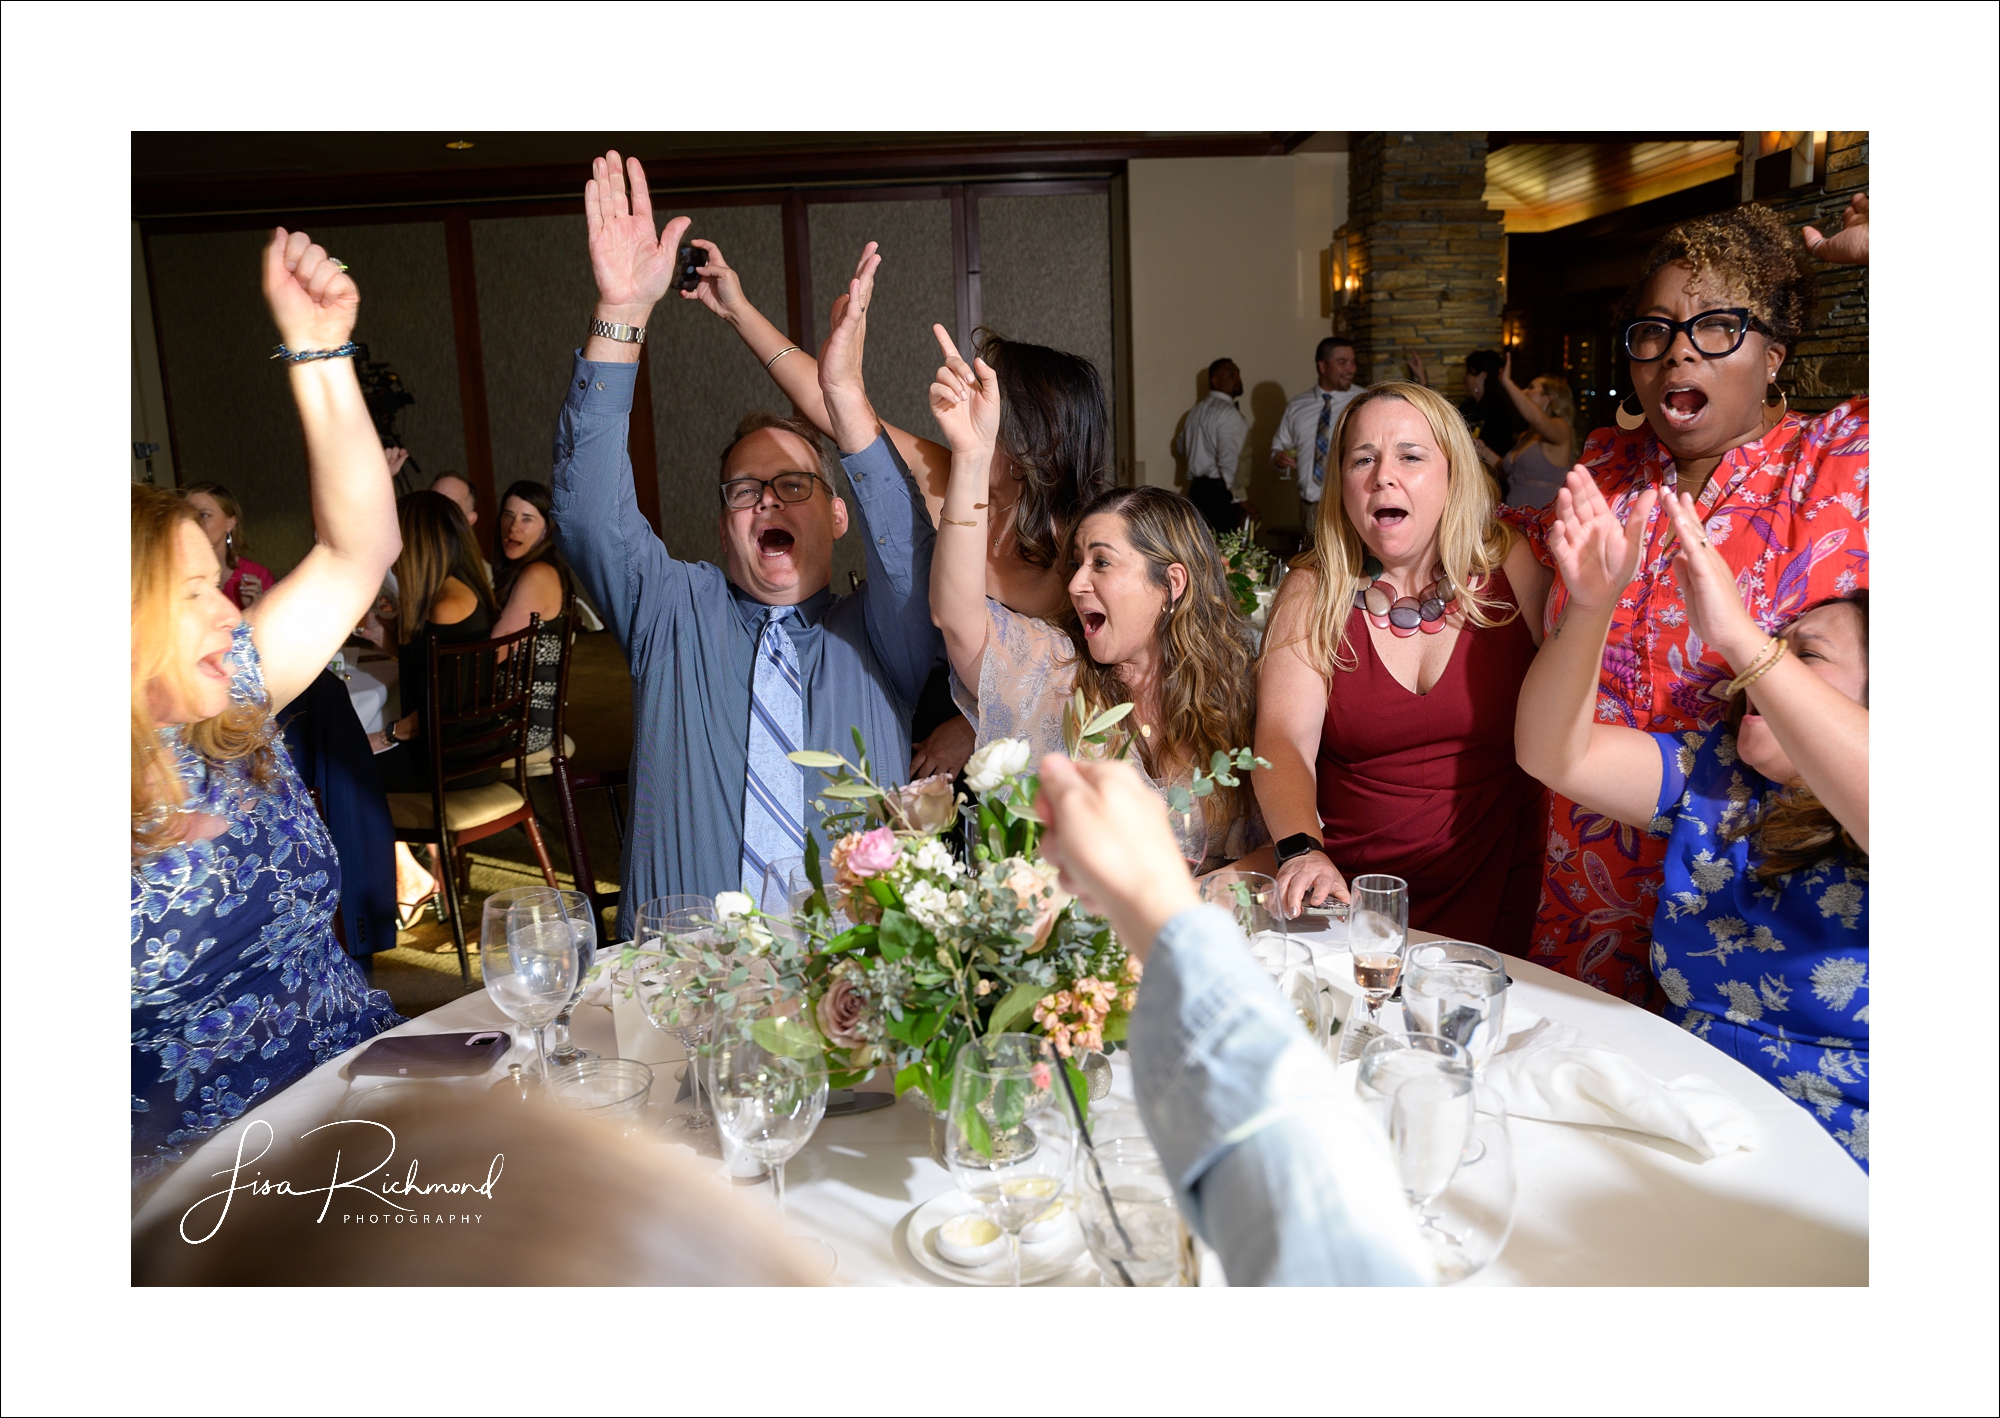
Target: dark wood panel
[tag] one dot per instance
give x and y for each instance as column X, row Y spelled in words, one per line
column 160, row 353
column 471, row 361
column 798, row 275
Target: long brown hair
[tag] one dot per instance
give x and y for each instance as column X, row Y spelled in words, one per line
column 507, row 571
column 1055, row 430
column 1205, row 698
column 1794, row 829
column 437, row 543
column 234, row 545
column 242, row 731
column 1472, row 543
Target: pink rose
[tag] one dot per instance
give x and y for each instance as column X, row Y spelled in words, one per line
column 1033, row 882
column 925, row 805
column 874, row 853
column 842, row 1013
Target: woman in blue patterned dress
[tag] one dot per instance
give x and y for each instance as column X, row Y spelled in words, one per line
column 1760, row 939
column 239, row 988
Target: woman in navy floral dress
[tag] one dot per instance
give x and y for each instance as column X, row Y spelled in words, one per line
column 238, row 985
column 1760, row 941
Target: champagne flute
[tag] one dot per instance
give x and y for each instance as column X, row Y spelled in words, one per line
column 1008, row 1139
column 675, row 987
column 767, row 1079
column 532, row 975
column 1378, row 925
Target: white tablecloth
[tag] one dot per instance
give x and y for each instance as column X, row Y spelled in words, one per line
column 1596, row 1206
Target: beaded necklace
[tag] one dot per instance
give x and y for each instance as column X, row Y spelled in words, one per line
column 1404, row 616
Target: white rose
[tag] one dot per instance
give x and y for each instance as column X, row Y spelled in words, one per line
column 998, row 761
column 731, row 905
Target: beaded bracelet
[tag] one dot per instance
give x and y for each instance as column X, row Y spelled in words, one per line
column 1758, row 671
column 346, row 351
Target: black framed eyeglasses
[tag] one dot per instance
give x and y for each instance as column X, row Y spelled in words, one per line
column 739, row 494
column 1713, row 333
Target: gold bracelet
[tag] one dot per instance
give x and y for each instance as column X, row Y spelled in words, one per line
column 1762, row 650
column 788, row 349
column 1758, row 671
column 955, row 522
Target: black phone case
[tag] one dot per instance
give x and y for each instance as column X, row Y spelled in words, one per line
column 433, row 1055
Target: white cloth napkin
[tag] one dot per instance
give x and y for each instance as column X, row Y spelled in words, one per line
column 1549, row 1071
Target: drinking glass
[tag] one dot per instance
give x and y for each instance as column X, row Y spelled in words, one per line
column 1430, row 1119
column 1459, row 991
column 675, row 985
column 532, row 970
column 767, row 1079
column 612, row 1089
column 1378, row 924
column 1473, row 1218
column 780, row 894
column 576, row 909
column 1394, row 1057
column 1126, row 1205
column 1252, row 898
column 1008, row 1137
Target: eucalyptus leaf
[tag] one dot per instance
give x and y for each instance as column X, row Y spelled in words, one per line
column 850, row 791
column 1109, row 717
column 814, row 758
column 1014, row 1006
column 788, row 1038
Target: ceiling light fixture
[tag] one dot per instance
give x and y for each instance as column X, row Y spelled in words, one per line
column 459, row 144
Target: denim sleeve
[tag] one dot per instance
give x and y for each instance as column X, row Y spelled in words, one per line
column 626, row 572
column 897, row 535
column 1272, row 1165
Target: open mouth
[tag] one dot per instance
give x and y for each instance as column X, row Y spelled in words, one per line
column 1093, row 621
column 1387, row 517
column 211, row 665
column 1683, row 402
column 774, row 541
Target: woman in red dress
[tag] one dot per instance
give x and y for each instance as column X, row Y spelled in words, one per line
column 1784, row 498
column 1386, row 693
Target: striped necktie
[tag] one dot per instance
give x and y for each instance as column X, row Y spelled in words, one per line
column 1322, row 440
column 774, row 788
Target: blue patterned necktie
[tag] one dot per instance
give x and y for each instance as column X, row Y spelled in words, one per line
column 774, row 789
column 1323, row 439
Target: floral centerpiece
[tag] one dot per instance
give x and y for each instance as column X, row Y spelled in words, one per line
column 1248, row 567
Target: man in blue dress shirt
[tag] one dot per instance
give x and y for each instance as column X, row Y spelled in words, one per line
column 732, row 669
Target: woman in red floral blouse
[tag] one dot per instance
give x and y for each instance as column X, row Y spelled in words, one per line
column 1784, row 498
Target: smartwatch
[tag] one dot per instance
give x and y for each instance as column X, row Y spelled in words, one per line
column 1297, row 845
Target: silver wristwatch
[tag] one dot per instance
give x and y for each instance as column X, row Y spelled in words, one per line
column 624, row 334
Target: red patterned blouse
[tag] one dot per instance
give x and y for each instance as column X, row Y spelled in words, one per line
column 1789, row 513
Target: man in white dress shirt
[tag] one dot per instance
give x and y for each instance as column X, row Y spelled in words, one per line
column 1305, row 435
column 1212, row 439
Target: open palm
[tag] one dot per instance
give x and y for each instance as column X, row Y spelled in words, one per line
column 840, row 356
column 1849, row 245
column 633, row 265
column 1596, row 556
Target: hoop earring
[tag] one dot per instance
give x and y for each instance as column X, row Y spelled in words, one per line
column 1784, row 403
column 1631, row 413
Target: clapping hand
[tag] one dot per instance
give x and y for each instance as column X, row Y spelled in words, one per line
column 965, row 400
column 632, row 264
column 1714, row 603
column 840, row 356
column 1849, row 245
column 1596, row 556
column 313, row 300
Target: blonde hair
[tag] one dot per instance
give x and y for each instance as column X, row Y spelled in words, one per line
column 1472, row 543
column 1206, row 701
column 240, row 732
column 234, row 544
column 1562, row 405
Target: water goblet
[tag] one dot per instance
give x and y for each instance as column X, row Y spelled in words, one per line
column 574, row 907
column 531, row 974
column 1008, row 1137
column 1378, row 925
column 767, row 1080
column 675, row 987
column 1458, row 991
column 1394, row 1057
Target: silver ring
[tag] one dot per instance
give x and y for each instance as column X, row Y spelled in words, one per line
column 338, row 264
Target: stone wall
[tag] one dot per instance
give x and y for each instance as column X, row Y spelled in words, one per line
column 1832, row 362
column 1427, row 252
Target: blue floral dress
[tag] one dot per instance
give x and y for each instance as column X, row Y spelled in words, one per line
column 1773, row 974
column 239, row 988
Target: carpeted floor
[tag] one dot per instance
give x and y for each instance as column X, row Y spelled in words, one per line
column 421, row 973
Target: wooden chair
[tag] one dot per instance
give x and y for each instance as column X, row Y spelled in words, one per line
column 478, row 709
column 569, row 783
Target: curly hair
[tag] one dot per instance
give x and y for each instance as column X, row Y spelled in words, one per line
column 1206, row 703
column 1749, row 249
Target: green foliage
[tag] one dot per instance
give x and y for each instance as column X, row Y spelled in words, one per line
column 1017, row 1004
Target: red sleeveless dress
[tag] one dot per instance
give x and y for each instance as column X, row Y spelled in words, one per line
column 1425, row 786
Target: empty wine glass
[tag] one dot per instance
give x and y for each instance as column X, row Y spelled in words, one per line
column 676, row 989
column 532, row 971
column 1378, row 924
column 1008, row 1137
column 767, row 1079
column 1430, row 1118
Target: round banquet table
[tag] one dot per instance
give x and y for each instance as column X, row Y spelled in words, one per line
column 1596, row 1206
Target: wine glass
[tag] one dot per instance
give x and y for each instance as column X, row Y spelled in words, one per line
column 1430, row 1120
column 780, row 894
column 1251, row 897
column 767, row 1079
column 1378, row 924
column 532, row 971
column 574, row 907
column 675, row 986
column 1458, row 991
column 1007, row 1135
column 1394, row 1057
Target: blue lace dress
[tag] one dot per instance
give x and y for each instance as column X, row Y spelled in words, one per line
column 239, row 988
column 1773, row 974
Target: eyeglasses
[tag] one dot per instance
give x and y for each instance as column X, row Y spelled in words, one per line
column 739, row 494
column 1713, row 333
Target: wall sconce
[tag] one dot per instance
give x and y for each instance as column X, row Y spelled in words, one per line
column 1345, row 282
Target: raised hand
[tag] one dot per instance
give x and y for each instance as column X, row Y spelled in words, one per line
column 965, row 400
column 720, row 289
column 1849, row 245
column 840, row 356
column 1708, row 588
column 312, row 298
column 1596, row 556
column 1108, row 833
column 633, row 265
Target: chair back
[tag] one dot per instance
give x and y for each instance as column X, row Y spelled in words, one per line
column 480, row 695
column 569, row 783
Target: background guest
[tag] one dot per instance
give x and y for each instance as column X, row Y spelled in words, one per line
column 1706, row 329
column 1765, row 815
column 456, row 488
column 1486, row 409
column 1305, row 434
column 238, row 987
column 1153, row 624
column 1211, row 438
column 530, row 579
column 1391, row 745
column 220, row 518
column 1534, row 467
column 1272, row 1160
